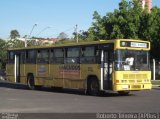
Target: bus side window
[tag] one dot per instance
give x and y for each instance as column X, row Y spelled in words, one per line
column 89, row 55
column 72, row 55
column 11, row 57
column 58, row 56
column 30, row 56
column 43, row 56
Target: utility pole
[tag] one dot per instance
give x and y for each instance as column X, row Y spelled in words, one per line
column 28, row 37
column 25, row 42
column 76, row 30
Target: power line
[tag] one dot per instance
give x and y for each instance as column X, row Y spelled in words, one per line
column 43, row 30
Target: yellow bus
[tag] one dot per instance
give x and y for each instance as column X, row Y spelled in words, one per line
column 120, row 65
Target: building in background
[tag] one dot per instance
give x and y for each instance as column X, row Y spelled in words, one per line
column 147, row 4
column 33, row 41
column 43, row 41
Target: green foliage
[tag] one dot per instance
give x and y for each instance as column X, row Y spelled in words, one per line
column 130, row 21
column 156, row 82
column 152, row 31
column 122, row 23
column 3, row 53
column 12, row 43
column 82, row 35
column 15, row 43
column 14, row 34
column 97, row 30
column 63, row 36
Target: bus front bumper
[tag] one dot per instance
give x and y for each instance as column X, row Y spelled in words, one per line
column 132, row 87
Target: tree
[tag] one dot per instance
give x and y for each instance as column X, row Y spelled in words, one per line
column 63, row 36
column 3, row 53
column 15, row 43
column 151, row 31
column 82, row 35
column 122, row 23
column 97, row 30
column 130, row 21
column 14, row 34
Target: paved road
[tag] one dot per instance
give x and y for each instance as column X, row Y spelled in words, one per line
column 18, row 98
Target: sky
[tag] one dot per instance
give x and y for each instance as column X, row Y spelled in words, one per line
column 51, row 16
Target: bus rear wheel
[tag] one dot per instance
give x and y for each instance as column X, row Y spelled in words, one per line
column 30, row 82
column 93, row 87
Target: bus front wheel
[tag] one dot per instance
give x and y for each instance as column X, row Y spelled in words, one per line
column 30, row 82
column 93, row 87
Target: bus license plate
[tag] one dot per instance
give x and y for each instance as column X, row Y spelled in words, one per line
column 136, row 86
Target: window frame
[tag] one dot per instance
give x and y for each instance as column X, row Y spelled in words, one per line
column 56, row 59
column 41, row 58
column 72, row 59
column 30, row 60
column 11, row 60
column 90, row 59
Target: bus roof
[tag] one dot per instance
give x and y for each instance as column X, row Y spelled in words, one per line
column 75, row 44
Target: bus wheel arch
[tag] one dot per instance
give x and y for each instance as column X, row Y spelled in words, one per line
column 30, row 81
column 93, row 87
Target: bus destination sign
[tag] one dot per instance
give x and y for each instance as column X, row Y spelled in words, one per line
column 138, row 45
column 134, row 44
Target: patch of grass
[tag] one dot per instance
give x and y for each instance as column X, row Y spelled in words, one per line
column 156, row 82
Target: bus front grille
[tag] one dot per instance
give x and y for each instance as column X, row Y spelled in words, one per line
column 135, row 76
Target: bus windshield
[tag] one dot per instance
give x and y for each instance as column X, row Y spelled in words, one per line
column 132, row 60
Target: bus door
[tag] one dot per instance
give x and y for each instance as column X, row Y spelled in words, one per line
column 107, row 64
column 17, row 67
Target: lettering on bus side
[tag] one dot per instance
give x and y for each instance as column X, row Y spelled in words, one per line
column 69, row 70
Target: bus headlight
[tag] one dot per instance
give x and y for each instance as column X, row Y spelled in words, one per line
column 125, row 86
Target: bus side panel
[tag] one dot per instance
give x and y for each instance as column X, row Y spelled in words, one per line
column 43, row 75
column 10, row 72
column 56, row 75
column 71, row 73
column 22, row 74
column 90, row 70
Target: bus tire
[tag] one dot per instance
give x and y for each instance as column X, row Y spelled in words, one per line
column 123, row 93
column 30, row 82
column 93, row 87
